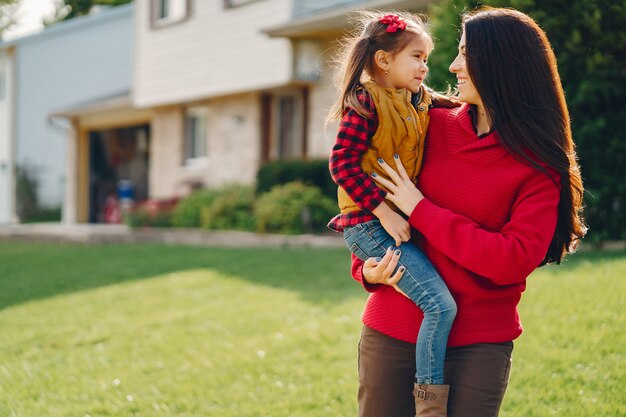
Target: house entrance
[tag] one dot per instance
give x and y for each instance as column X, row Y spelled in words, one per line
column 118, row 171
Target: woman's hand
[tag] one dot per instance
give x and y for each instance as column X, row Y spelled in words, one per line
column 380, row 271
column 402, row 192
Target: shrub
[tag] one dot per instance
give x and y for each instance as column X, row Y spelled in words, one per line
column 188, row 212
column 293, row 208
column 231, row 209
column 314, row 172
column 151, row 213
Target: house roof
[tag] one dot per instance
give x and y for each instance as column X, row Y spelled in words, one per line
column 77, row 23
column 119, row 100
column 332, row 20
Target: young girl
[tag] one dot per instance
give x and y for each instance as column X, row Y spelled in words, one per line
column 382, row 118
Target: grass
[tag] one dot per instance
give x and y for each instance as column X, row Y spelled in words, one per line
column 147, row 330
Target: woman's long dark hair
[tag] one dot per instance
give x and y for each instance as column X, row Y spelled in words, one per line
column 513, row 67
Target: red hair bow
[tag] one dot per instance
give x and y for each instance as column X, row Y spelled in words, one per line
column 394, row 22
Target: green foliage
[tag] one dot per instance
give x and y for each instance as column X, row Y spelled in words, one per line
column 188, row 212
column 590, row 44
column 231, row 209
column 8, row 14
column 69, row 9
column 28, row 207
column 314, row 172
column 26, row 184
column 293, row 208
column 143, row 218
column 151, row 213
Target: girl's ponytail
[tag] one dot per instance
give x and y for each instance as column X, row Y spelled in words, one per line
column 357, row 60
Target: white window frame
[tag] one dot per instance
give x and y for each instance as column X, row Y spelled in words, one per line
column 196, row 139
column 3, row 78
column 168, row 12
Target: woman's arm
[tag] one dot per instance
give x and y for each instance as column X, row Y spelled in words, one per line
column 506, row 256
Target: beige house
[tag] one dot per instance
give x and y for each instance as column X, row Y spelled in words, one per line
column 220, row 87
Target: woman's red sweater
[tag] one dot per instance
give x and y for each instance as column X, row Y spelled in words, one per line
column 486, row 223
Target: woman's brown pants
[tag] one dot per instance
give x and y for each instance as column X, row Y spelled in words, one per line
column 478, row 375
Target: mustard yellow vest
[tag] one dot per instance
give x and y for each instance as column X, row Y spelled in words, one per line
column 401, row 129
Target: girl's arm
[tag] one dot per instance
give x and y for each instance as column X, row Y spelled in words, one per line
column 352, row 141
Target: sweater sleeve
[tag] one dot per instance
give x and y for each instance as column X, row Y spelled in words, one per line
column 355, row 132
column 506, row 256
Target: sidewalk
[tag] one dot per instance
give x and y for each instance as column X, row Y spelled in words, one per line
column 109, row 233
column 105, row 233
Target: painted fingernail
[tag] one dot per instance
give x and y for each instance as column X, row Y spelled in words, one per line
column 401, row 269
column 378, row 259
column 374, row 174
column 380, row 160
column 397, row 253
column 390, row 248
column 395, row 155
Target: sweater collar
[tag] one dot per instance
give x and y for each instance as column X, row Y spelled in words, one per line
column 468, row 141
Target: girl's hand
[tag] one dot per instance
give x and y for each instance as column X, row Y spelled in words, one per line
column 397, row 227
column 393, row 223
column 402, row 192
column 381, row 271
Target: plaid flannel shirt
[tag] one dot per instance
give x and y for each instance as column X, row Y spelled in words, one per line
column 353, row 139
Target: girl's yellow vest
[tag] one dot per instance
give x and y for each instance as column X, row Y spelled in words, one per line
column 401, row 129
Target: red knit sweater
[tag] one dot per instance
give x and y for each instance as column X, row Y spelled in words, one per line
column 487, row 221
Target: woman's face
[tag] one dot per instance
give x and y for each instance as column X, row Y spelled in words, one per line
column 467, row 90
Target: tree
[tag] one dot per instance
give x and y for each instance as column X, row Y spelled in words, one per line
column 590, row 44
column 69, row 9
column 8, row 9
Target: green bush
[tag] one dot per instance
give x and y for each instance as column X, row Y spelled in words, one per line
column 151, row 213
column 314, row 172
column 143, row 218
column 231, row 209
column 293, row 208
column 188, row 212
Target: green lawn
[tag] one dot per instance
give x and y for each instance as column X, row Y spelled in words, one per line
column 148, row 330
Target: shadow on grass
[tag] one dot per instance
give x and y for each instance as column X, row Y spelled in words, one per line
column 32, row 271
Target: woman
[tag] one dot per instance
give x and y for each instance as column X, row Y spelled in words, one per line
column 499, row 194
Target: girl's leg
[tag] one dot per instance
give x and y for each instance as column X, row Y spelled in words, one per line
column 423, row 285
column 478, row 376
column 386, row 373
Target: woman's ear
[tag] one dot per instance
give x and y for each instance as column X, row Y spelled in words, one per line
column 382, row 60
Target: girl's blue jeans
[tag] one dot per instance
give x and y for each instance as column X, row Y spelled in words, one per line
column 423, row 285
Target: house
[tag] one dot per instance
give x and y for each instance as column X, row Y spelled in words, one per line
column 69, row 65
column 218, row 88
column 7, row 152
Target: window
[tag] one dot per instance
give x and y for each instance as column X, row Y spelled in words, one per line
column 196, row 134
column 165, row 12
column 285, row 128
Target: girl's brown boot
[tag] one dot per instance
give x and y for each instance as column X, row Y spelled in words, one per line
column 431, row 400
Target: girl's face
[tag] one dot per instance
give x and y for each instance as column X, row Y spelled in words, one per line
column 465, row 86
column 408, row 68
